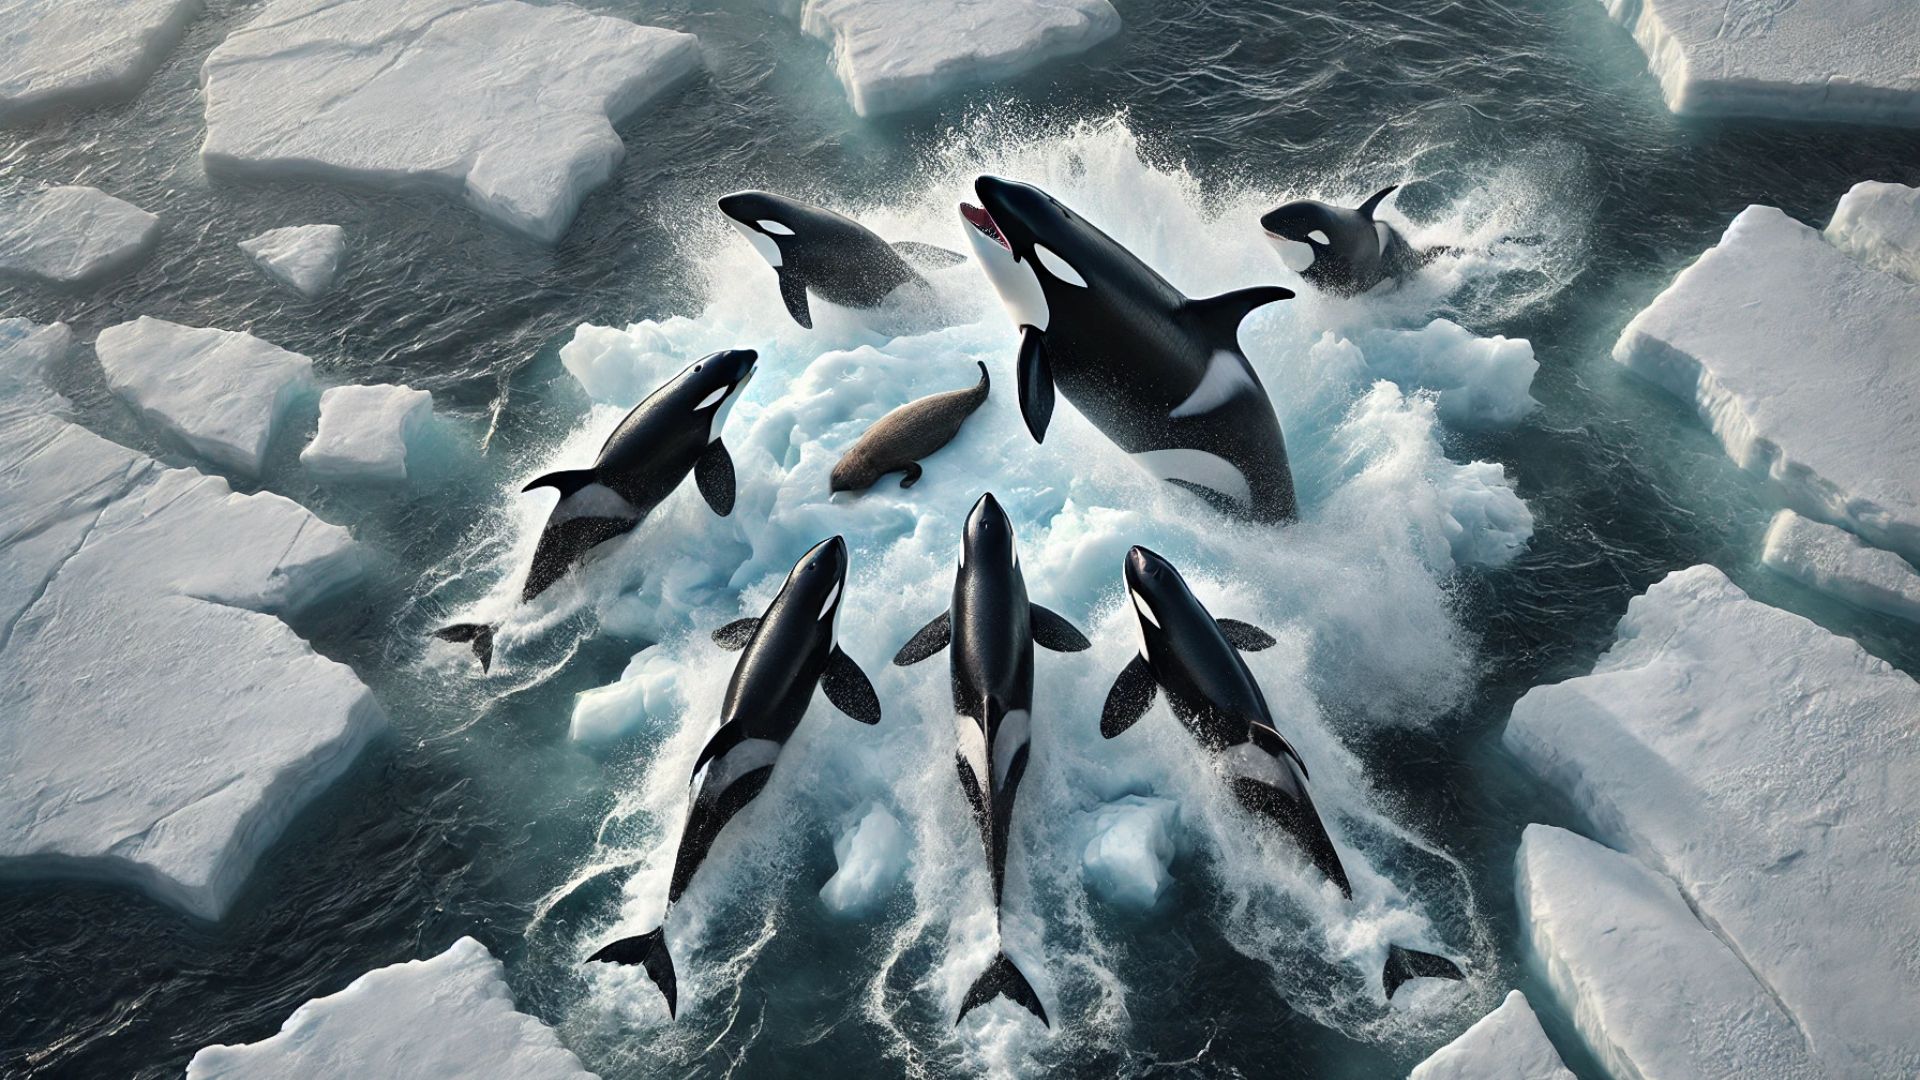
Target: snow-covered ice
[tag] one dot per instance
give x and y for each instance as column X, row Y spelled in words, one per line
column 440, row 1019
column 1879, row 224
column 68, row 235
column 222, row 392
column 304, row 258
column 1772, row 770
column 1846, row 60
column 892, row 55
column 63, row 52
column 1505, row 1044
column 1127, row 861
column 1480, row 382
column 1652, row 991
column 1835, row 562
column 162, row 725
column 366, row 431
column 507, row 105
column 28, row 350
column 1801, row 359
column 872, row 856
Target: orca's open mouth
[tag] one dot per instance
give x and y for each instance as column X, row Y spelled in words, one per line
column 979, row 218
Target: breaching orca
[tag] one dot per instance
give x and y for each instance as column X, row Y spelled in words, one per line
column 1195, row 658
column 676, row 430
column 1341, row 251
column 789, row 651
column 1159, row 374
column 835, row 257
column 992, row 627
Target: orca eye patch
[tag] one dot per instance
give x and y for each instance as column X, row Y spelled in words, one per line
column 1319, row 237
column 1058, row 266
column 711, row 398
column 831, row 597
column 774, row 227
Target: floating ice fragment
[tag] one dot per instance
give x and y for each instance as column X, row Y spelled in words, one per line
column 1835, row 562
column 1127, row 862
column 366, row 431
column 68, row 235
column 872, row 854
column 304, row 258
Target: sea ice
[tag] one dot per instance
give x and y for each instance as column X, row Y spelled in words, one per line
column 1847, row 60
column 649, row 689
column 872, row 855
column 62, row 52
column 365, row 432
column 1652, row 992
column 1835, row 562
column 222, row 392
column 448, row 1017
column 508, row 105
column 302, row 257
column 1127, row 862
column 162, row 725
column 1479, row 382
column 28, row 351
column 963, row 42
column 1879, row 224
column 68, row 235
column 1771, row 769
column 1801, row 359
column 1506, row 1044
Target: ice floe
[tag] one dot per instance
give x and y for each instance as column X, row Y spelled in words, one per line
column 1801, row 359
column 67, row 235
column 1848, row 60
column 304, row 258
column 1505, row 1044
column 450, row 1016
column 507, row 105
column 1835, row 562
column 1128, row 860
column 1879, row 224
column 1478, row 382
column 885, row 68
column 872, row 857
column 1772, row 770
column 1652, row 992
column 162, row 724
column 366, row 432
column 62, row 52
column 222, row 392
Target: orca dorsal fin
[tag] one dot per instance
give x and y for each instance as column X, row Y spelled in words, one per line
column 566, row 481
column 1218, row 318
column 1373, row 203
column 926, row 256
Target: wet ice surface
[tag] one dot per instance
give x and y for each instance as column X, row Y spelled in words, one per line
column 65, row 52
column 70, row 234
column 304, row 258
column 1505, row 1044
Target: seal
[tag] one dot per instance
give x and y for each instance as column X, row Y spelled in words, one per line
column 897, row 441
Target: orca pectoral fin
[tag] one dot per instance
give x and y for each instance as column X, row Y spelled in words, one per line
column 734, row 636
column 794, row 295
column 1407, row 964
column 849, row 688
column 1051, row 630
column 1217, row 318
column 927, row 256
column 1132, row 695
column 713, row 474
column 650, row 950
column 1373, row 201
column 566, row 481
column 1002, row 979
column 1036, row 384
column 1245, row 636
column 930, row 639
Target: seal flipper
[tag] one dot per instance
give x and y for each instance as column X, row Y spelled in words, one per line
column 912, row 477
column 713, row 474
column 1245, row 636
column 480, row 634
column 1406, row 964
column 1373, row 202
column 1036, row 384
column 1051, row 630
column 1217, row 318
column 795, row 296
column 929, row 640
column 1132, row 695
column 650, row 950
column 926, row 256
column 1002, row 979
column 734, row 636
column 849, row 688
column 566, row 481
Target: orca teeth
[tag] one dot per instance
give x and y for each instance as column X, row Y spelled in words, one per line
column 979, row 218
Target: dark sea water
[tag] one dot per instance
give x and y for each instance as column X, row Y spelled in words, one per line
column 474, row 811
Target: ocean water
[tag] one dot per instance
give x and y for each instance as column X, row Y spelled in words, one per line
column 1402, row 648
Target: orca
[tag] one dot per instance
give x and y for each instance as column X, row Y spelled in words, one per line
column 1195, row 659
column 1160, row 374
column 675, row 431
column 839, row 260
column 1340, row 251
column 784, row 655
column 992, row 628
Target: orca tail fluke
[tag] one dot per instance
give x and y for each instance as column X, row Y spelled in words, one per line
column 480, row 635
column 650, row 951
column 1002, row 979
column 1406, row 964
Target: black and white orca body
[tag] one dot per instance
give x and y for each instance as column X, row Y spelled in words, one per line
column 1195, row 659
column 789, row 651
column 1161, row 375
column 675, row 431
column 1340, row 251
column 834, row 257
column 992, row 628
